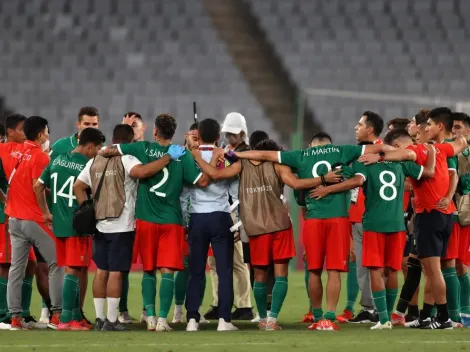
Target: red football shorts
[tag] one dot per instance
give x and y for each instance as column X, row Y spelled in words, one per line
column 74, row 251
column 210, row 252
column 264, row 249
column 453, row 246
column 381, row 250
column 328, row 238
column 160, row 245
column 464, row 245
column 185, row 248
column 5, row 245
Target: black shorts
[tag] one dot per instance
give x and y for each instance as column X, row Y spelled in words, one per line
column 432, row 231
column 113, row 251
column 39, row 257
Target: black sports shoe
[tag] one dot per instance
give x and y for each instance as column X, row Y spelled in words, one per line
column 409, row 318
column 5, row 319
column 419, row 323
column 438, row 325
column 84, row 317
column 212, row 313
column 365, row 317
column 243, row 314
column 117, row 326
column 98, row 324
column 30, row 321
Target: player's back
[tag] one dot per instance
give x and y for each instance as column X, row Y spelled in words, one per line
column 10, row 153
column 158, row 196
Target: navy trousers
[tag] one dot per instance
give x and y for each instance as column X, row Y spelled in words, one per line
column 204, row 229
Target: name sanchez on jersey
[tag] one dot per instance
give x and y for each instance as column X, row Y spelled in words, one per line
column 154, row 153
column 318, row 151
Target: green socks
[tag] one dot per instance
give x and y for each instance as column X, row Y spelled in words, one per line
column 317, row 314
column 329, row 315
column 76, row 311
column 464, row 294
column 352, row 287
column 380, row 301
column 279, row 295
column 452, row 293
column 260, row 293
column 124, row 293
column 26, row 295
column 43, row 304
column 391, row 298
column 69, row 297
column 3, row 296
column 167, row 289
column 149, row 293
column 181, row 284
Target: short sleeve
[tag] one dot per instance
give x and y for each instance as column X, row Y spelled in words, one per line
column 349, row 153
column 40, row 164
column 445, row 148
column 292, row 158
column 420, row 155
column 129, row 162
column 359, row 169
column 135, row 149
column 191, row 173
column 452, row 163
column 413, row 170
column 85, row 176
column 46, row 176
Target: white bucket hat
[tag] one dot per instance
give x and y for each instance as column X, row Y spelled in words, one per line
column 234, row 123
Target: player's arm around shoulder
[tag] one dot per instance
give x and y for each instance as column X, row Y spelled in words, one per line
column 83, row 183
column 458, row 145
column 137, row 170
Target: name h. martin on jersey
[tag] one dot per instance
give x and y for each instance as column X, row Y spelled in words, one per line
column 315, row 151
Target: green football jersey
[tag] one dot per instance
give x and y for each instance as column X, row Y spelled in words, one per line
column 452, row 164
column 317, row 161
column 63, row 145
column 3, row 187
column 384, row 189
column 59, row 177
column 158, row 197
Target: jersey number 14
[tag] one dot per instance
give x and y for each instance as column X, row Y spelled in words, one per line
column 66, row 191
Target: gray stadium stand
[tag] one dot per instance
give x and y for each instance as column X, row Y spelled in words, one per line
column 118, row 55
column 406, row 47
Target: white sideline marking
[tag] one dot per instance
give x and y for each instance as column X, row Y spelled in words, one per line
column 332, row 341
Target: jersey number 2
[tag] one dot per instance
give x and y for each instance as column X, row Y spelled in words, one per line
column 161, row 183
column 63, row 192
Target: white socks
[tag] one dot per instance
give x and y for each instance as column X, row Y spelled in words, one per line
column 113, row 305
column 99, row 307
column 179, row 308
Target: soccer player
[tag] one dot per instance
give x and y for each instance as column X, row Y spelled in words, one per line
column 460, row 128
column 88, row 116
column 326, row 230
column 368, row 130
column 398, row 122
column 418, row 123
column 384, row 237
column 159, row 230
column 272, row 240
column 433, row 218
column 135, row 120
column 114, row 240
column 26, row 221
column 73, row 251
column 12, row 146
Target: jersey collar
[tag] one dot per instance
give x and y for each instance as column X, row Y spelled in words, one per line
column 31, row 144
column 74, row 140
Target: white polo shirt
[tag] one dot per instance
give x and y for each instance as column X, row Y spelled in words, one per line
column 126, row 222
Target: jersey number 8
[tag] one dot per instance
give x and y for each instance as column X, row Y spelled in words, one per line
column 388, row 184
column 153, row 189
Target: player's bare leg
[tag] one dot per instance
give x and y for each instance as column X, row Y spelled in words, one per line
column 42, row 283
column 99, row 297
column 464, row 292
column 113, row 296
column 167, row 289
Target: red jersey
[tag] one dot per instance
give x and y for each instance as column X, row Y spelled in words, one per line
column 10, row 153
column 429, row 191
column 357, row 209
column 22, row 203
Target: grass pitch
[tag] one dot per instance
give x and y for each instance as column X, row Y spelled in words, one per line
column 293, row 337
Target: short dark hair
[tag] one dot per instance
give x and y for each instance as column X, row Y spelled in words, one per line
column 123, row 134
column 91, row 135
column 136, row 115
column 461, row 116
column 165, row 125
column 12, row 121
column 267, row 144
column 256, row 137
column 375, row 121
column 209, row 130
column 442, row 115
column 34, row 125
column 398, row 122
column 194, row 126
column 395, row 134
column 88, row 110
column 2, row 129
column 322, row 136
column 422, row 116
